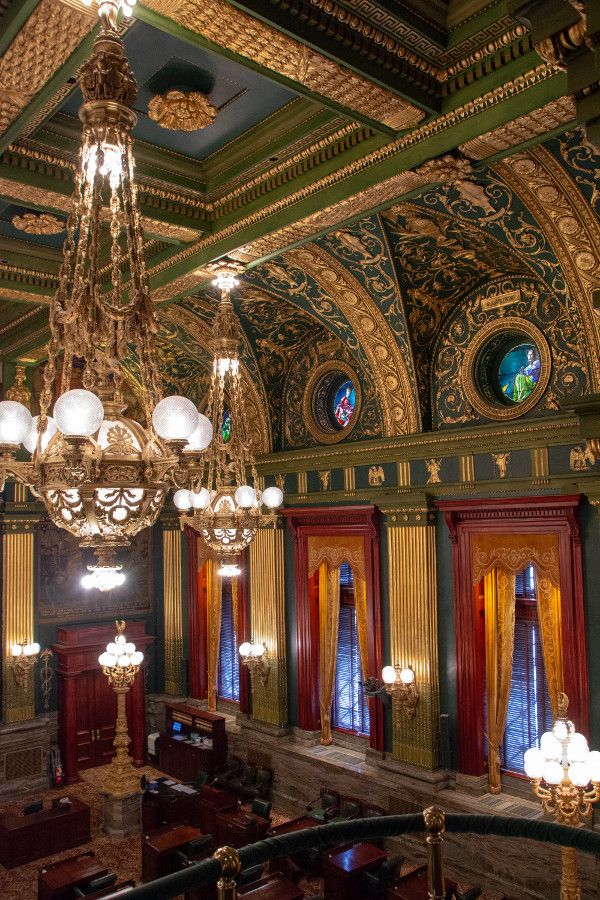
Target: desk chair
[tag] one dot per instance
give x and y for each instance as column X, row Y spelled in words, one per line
column 261, row 808
column 324, row 807
column 469, row 894
column 194, row 850
column 375, row 883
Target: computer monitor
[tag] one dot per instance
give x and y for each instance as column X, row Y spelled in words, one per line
column 33, row 807
column 177, row 727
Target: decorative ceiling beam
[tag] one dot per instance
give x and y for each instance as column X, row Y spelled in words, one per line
column 220, row 27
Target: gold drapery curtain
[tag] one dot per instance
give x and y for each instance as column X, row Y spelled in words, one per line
column 360, row 604
column 512, row 552
column 550, row 619
column 499, row 604
column 213, row 617
column 329, row 617
column 335, row 550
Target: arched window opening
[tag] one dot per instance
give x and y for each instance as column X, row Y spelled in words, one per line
column 228, row 675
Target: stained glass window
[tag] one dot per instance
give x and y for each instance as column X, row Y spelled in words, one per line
column 344, row 403
column 519, row 372
column 226, row 426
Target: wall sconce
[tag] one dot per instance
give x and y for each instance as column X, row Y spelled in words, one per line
column 254, row 657
column 400, row 685
column 24, row 657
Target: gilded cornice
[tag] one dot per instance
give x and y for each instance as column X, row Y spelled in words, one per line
column 240, row 33
column 10, row 293
column 45, row 42
column 388, row 367
column 569, row 224
column 28, row 278
column 560, row 113
column 20, row 320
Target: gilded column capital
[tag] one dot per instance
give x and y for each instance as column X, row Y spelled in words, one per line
column 418, row 510
column 12, row 524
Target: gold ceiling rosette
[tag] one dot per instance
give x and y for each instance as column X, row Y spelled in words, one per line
column 180, row 110
column 42, row 223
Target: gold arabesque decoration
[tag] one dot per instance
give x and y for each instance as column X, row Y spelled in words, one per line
column 42, row 223
column 182, row 110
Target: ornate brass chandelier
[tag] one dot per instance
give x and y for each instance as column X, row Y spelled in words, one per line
column 102, row 476
column 227, row 511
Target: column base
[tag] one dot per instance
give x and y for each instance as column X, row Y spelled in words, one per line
column 122, row 813
column 246, row 722
column 437, row 779
column 476, row 785
column 306, row 738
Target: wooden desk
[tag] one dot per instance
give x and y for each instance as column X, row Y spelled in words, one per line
column 160, row 847
column 182, row 759
column 236, row 829
column 212, row 801
column 273, row 889
column 56, row 882
column 172, row 808
column 414, row 886
column 24, row 838
column 343, row 869
column 293, row 825
column 116, row 890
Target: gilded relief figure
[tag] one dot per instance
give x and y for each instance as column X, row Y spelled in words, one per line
column 434, row 468
column 18, row 391
column 581, row 458
column 501, row 461
column 280, row 481
column 376, row 476
column 324, row 476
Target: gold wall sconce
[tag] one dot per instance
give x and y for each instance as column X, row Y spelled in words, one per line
column 254, row 657
column 24, row 656
column 400, row 685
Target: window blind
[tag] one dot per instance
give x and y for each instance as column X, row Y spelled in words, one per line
column 350, row 709
column 228, row 675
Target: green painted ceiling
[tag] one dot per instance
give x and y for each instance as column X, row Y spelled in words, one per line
column 420, row 218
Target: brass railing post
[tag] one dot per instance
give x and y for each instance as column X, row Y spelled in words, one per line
column 435, row 823
column 230, row 867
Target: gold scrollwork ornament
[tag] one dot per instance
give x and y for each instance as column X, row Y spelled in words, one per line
column 182, row 110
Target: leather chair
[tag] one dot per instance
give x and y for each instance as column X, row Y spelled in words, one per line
column 228, row 771
column 348, row 809
column 259, row 787
column 245, row 777
column 469, row 894
column 374, row 884
column 247, row 876
column 261, row 808
column 96, row 884
column 324, row 807
column 195, row 850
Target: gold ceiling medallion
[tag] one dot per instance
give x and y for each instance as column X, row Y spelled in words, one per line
column 490, row 384
column 332, row 399
column 182, row 111
column 44, row 223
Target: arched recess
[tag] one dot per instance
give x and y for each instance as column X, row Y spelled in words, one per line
column 255, row 399
column 396, row 397
column 570, row 225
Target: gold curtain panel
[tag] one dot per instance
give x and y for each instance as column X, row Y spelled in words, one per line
column 512, row 552
column 335, row 551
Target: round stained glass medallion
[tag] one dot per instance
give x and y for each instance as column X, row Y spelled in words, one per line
column 506, row 368
column 518, row 372
column 332, row 402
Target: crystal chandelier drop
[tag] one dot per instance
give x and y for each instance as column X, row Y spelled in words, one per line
column 225, row 510
column 101, row 475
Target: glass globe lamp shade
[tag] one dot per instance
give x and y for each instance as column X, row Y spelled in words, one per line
column 175, row 418
column 534, row 762
column 553, row 772
column 129, row 648
column 245, row 496
column 577, row 748
column 121, row 640
column 30, row 442
column 137, row 658
column 201, row 436
column 15, row 422
column 594, row 764
column 107, row 659
column 229, row 570
column 579, row 773
column 388, row 675
column 550, row 747
column 258, row 650
column 31, row 649
column 407, row 676
column 112, row 649
column 16, row 650
column 200, row 499
column 245, row 649
column 563, row 729
column 272, row 497
column 182, row 499
column 78, row 413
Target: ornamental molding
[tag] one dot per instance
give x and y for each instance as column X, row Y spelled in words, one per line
column 182, row 110
column 538, row 122
column 45, row 42
column 240, row 33
column 42, row 223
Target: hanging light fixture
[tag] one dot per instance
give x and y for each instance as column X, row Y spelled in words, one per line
column 226, row 510
column 102, row 476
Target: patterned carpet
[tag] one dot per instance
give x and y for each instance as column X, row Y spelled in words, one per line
column 121, row 855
